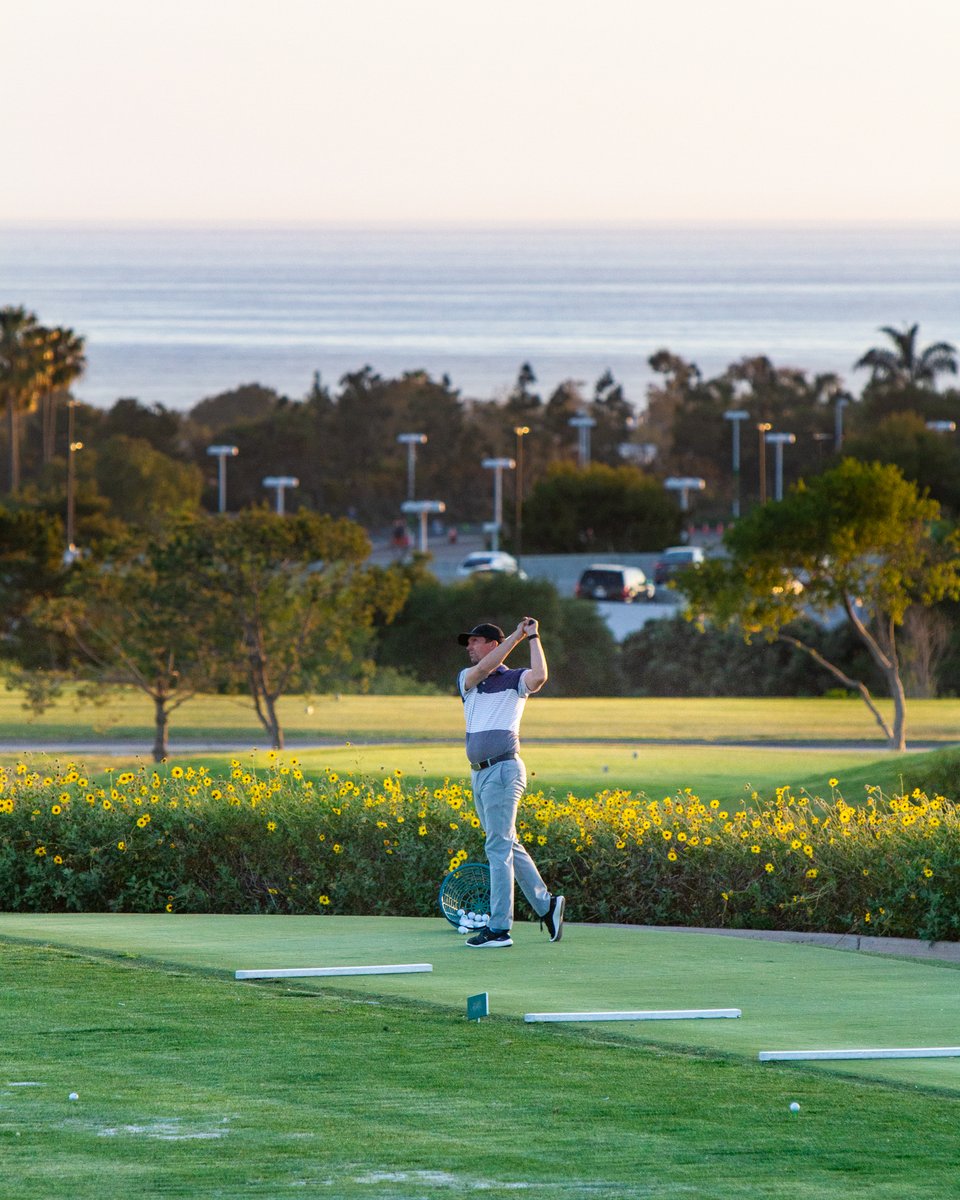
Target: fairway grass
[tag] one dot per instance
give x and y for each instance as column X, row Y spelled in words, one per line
column 190, row 1084
column 127, row 715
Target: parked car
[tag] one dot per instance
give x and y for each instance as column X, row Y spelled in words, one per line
column 674, row 559
column 610, row 581
column 490, row 560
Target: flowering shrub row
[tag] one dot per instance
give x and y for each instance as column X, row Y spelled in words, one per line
column 265, row 838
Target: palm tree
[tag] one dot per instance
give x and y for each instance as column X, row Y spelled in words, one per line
column 67, row 365
column 24, row 362
column 905, row 364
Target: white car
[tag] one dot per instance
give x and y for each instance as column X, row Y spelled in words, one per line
column 494, row 561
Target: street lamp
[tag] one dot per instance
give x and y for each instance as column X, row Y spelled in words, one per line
column 840, row 404
column 222, row 453
column 71, row 553
column 583, row 424
column 942, row 426
column 280, row 483
column 780, row 440
column 684, row 484
column 735, row 416
column 763, row 428
column 498, row 466
column 521, row 431
column 422, row 509
column 411, row 441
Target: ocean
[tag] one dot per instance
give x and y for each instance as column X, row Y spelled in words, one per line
column 173, row 315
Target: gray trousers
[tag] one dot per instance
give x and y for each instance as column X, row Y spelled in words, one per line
column 496, row 795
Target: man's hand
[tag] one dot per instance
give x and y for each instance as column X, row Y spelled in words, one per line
column 529, row 626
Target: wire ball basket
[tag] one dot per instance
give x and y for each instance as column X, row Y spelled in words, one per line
column 465, row 891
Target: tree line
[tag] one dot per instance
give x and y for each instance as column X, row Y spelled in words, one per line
column 137, row 462
column 174, row 600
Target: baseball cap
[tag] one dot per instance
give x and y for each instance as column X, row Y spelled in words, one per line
column 493, row 633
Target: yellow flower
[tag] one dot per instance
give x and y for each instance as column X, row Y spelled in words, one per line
column 812, row 873
column 324, row 900
column 121, row 846
column 169, row 908
column 337, row 848
column 271, row 826
column 754, row 849
column 422, row 830
column 58, row 859
column 40, row 851
column 927, row 871
column 177, row 773
column 768, row 867
column 833, row 782
column 56, row 810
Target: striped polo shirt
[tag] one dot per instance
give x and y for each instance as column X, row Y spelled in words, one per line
column 493, row 710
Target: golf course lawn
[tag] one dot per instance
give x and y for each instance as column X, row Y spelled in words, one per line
column 190, row 1083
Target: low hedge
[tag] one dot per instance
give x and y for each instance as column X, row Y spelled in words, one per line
column 265, row 838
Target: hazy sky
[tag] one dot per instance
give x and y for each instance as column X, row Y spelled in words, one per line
column 405, row 111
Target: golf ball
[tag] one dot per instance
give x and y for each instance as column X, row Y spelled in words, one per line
column 794, row 1106
column 73, row 1096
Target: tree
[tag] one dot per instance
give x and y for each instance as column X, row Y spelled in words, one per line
column 145, row 487
column 31, row 571
column 599, row 508
column 925, row 456
column 260, row 601
column 294, row 605
column 856, row 538
column 140, row 620
column 24, row 361
column 906, row 364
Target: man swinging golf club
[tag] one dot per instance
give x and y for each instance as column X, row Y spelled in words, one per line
column 493, row 701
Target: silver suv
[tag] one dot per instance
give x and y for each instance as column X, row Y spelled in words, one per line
column 610, row 581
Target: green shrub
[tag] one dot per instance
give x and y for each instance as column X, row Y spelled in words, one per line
column 267, row 839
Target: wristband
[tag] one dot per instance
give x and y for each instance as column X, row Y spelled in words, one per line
column 533, row 637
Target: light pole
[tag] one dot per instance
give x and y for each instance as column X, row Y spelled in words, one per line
column 521, row 431
column 942, row 426
column 684, row 484
column 583, row 424
column 222, row 453
column 411, row 441
column 763, row 428
column 71, row 553
column 735, row 416
column 780, row 440
column 422, row 509
column 498, row 466
column 840, row 404
column 280, row 483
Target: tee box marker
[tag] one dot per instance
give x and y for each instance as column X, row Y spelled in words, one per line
column 478, row 1006
column 668, row 1014
column 316, row 972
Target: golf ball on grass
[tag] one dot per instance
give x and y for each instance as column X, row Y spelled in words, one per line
column 73, row 1096
column 794, row 1106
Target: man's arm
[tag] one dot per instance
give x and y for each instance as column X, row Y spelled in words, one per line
column 536, row 676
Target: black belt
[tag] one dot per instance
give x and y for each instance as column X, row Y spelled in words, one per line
column 492, row 762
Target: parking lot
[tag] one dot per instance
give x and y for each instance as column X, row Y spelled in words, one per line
column 562, row 570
